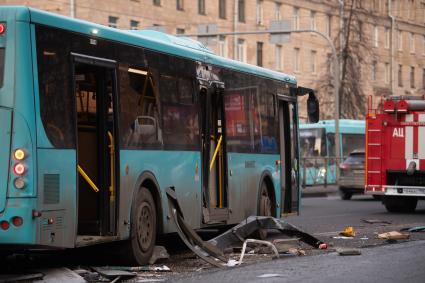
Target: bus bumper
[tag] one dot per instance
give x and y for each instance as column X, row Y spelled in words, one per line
column 12, row 232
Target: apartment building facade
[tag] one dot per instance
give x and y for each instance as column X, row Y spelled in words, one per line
column 394, row 30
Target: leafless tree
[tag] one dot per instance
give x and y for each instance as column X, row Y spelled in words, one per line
column 353, row 55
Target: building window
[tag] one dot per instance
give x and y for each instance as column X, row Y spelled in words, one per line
column 259, row 12
column 412, row 77
column 157, row 2
column 296, row 19
column 400, row 75
column 278, row 58
column 374, row 70
column 201, row 7
column 296, row 59
column 313, row 20
column 113, row 22
column 222, row 9
column 412, row 42
column 328, row 25
column 180, row 31
column 423, row 78
column 134, row 24
column 313, row 56
column 375, row 36
column 241, row 50
column 179, row 5
column 387, row 73
column 222, row 46
column 241, row 11
column 423, row 43
column 259, row 53
column 400, row 40
column 277, row 14
column 387, row 38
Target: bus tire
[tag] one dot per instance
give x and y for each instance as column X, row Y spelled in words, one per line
column 143, row 227
column 265, row 208
column 400, row 204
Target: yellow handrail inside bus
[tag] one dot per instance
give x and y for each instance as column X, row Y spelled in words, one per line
column 87, row 178
column 112, row 159
column 215, row 152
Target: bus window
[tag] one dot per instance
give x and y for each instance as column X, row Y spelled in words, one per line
column 2, row 53
column 313, row 143
column 56, row 100
column 180, row 114
column 269, row 123
column 140, row 112
column 351, row 142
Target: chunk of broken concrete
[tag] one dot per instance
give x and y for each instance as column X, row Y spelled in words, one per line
column 393, row 235
column 159, row 252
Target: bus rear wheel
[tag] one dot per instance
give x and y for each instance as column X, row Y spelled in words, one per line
column 143, row 228
column 265, row 208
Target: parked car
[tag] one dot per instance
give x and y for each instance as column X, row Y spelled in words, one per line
column 351, row 179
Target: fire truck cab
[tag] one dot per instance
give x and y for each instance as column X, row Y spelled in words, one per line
column 395, row 152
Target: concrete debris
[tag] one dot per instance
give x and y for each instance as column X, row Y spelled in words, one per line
column 298, row 252
column 109, row 272
column 348, row 232
column 232, row 263
column 270, row 275
column 345, row 252
column 376, row 221
column 393, row 235
column 283, row 245
column 62, row 274
column 159, row 252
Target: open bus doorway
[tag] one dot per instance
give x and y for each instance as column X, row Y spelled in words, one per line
column 94, row 83
column 214, row 157
column 290, row 193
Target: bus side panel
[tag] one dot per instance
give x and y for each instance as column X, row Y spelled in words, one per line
column 170, row 168
column 58, row 197
column 246, row 170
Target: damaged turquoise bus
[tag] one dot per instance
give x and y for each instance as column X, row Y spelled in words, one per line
column 96, row 123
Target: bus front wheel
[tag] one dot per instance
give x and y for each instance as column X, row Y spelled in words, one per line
column 143, row 227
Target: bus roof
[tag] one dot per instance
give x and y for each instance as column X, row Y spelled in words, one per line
column 183, row 47
column 345, row 126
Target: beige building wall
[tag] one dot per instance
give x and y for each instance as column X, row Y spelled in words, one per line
column 304, row 56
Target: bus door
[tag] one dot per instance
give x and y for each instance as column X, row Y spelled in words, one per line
column 290, row 194
column 95, row 97
column 214, row 157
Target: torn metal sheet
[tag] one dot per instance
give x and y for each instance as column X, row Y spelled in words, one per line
column 213, row 250
column 20, row 277
column 62, row 274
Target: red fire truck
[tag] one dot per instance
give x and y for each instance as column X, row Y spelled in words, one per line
column 395, row 152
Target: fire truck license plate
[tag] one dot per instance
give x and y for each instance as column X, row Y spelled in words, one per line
column 412, row 191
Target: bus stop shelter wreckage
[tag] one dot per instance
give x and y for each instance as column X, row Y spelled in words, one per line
column 212, row 251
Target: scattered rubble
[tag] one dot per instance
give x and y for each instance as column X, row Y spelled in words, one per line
column 393, row 235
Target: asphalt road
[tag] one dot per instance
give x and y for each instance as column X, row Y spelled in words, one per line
column 325, row 217
column 391, row 263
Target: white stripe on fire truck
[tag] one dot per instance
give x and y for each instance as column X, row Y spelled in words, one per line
column 421, row 138
column 408, row 143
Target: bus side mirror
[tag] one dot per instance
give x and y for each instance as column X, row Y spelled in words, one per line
column 313, row 111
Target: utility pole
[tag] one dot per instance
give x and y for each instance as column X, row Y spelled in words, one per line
column 336, row 76
column 392, row 38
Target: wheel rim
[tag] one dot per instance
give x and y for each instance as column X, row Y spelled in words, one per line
column 145, row 226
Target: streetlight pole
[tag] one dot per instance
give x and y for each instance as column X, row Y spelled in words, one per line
column 336, row 75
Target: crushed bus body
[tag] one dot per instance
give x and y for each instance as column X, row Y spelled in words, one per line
column 395, row 152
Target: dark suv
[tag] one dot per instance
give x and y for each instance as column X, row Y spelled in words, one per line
column 351, row 178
